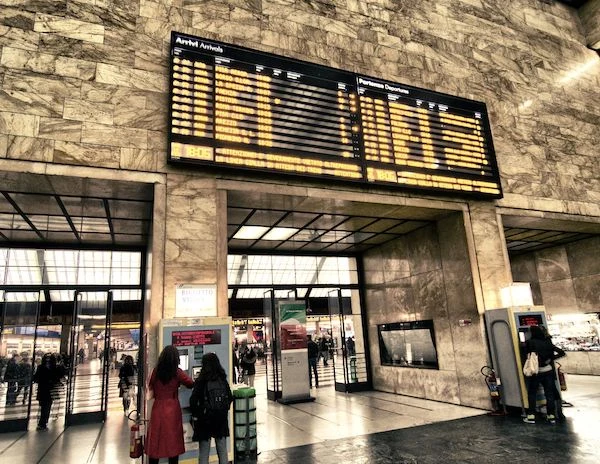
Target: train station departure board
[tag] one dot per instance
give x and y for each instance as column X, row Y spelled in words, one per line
column 236, row 108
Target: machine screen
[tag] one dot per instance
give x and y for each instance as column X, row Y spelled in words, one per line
column 530, row 319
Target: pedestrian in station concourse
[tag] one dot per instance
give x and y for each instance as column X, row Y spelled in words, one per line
column 248, row 365
column 313, row 357
column 126, row 382
column 165, row 430
column 47, row 376
column 546, row 352
column 210, row 403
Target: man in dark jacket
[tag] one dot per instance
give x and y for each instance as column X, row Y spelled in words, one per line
column 11, row 377
column 313, row 357
column 47, row 376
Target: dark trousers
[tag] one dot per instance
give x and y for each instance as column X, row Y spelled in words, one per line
column 545, row 379
column 45, row 406
column 312, row 368
column 11, row 392
column 172, row 460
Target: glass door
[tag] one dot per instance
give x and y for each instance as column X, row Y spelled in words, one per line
column 351, row 374
column 87, row 391
column 19, row 312
column 272, row 360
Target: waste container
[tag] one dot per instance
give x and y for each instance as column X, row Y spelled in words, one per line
column 244, row 424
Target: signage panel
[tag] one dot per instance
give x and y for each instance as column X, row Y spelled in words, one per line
column 238, row 108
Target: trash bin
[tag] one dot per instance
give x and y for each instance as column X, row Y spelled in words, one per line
column 244, row 425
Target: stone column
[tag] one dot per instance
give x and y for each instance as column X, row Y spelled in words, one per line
column 191, row 236
column 468, row 336
column 489, row 256
column 188, row 246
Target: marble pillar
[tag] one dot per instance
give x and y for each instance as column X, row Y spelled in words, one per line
column 191, row 235
column 464, row 321
column 487, row 246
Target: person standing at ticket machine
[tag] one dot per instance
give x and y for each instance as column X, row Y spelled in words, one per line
column 165, row 432
column 546, row 352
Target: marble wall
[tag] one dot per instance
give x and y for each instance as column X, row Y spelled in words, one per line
column 565, row 279
column 590, row 19
column 85, row 82
column 427, row 275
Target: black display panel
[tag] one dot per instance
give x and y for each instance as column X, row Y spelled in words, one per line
column 237, row 108
column 408, row 344
column 530, row 319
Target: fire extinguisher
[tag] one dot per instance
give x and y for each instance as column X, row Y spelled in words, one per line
column 494, row 384
column 136, row 446
column 495, row 387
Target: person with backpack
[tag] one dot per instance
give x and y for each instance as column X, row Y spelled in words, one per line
column 546, row 352
column 210, row 402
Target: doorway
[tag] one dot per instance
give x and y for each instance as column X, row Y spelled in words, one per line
column 88, row 348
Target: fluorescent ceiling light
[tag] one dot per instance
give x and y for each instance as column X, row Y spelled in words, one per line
column 250, row 232
column 280, row 233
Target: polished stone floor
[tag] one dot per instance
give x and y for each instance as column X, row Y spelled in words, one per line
column 370, row 427
column 477, row 439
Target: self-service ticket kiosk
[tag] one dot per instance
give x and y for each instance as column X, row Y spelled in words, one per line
column 508, row 330
column 193, row 337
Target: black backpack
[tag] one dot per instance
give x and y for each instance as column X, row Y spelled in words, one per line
column 217, row 395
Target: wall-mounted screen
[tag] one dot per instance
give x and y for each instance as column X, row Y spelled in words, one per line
column 238, row 108
column 408, row 344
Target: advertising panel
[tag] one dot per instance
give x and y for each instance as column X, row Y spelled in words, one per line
column 294, row 355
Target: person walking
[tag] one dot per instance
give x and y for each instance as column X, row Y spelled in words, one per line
column 165, row 431
column 126, row 382
column 24, row 379
column 324, row 349
column 47, row 376
column 210, row 403
column 11, row 377
column 313, row 357
column 248, row 365
column 546, row 352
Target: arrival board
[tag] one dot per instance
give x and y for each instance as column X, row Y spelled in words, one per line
column 238, row 108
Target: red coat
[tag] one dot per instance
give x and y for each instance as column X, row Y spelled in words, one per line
column 165, row 432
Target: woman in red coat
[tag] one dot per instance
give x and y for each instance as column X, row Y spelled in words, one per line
column 165, row 432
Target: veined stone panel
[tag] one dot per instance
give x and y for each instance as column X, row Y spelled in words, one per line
column 531, row 67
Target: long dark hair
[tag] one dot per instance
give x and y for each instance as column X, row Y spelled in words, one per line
column 168, row 361
column 537, row 332
column 211, row 368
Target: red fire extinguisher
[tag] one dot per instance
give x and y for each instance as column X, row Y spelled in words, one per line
column 136, row 446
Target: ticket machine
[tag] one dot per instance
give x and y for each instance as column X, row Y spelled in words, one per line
column 193, row 337
column 508, row 330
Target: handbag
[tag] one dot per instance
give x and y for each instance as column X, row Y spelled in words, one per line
column 562, row 378
column 531, row 365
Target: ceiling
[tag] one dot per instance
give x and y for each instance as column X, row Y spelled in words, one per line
column 41, row 211
column 280, row 224
column 339, row 227
column 525, row 234
column 53, row 211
